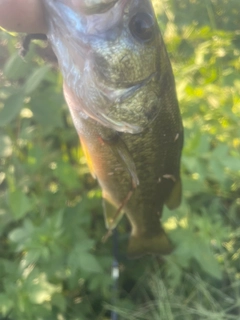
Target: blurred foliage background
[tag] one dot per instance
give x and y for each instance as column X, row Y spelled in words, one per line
column 53, row 264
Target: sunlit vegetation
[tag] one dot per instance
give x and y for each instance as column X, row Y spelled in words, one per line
column 53, row 264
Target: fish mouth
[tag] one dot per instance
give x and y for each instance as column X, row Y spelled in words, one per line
column 101, row 22
column 76, row 29
column 100, row 6
column 82, row 20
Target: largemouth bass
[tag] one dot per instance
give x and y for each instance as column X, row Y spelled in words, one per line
column 119, row 86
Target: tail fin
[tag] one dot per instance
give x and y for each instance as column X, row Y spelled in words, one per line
column 140, row 245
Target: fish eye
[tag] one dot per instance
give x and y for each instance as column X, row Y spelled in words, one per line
column 142, row 26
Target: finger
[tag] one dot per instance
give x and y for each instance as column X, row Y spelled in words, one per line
column 22, row 16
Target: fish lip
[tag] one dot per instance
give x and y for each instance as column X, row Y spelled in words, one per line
column 81, row 28
column 96, row 25
column 87, row 10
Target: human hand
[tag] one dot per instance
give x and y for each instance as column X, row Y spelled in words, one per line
column 22, row 16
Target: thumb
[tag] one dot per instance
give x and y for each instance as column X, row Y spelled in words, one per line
column 22, row 16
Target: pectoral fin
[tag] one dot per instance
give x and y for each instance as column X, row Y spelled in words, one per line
column 174, row 199
column 119, row 148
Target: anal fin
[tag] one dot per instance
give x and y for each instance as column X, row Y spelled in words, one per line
column 111, row 220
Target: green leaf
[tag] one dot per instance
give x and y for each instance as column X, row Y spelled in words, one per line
column 85, row 245
column 67, row 175
column 36, row 78
column 47, row 110
column 232, row 163
column 59, row 301
column 40, row 290
column 89, row 263
column 12, row 107
column 6, row 304
column 205, row 257
column 32, row 256
column 18, row 235
column 19, row 204
column 80, row 258
column 5, row 146
column 16, row 67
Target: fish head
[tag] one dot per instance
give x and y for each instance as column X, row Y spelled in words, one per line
column 112, row 57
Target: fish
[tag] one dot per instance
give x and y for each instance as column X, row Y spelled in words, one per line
column 120, row 90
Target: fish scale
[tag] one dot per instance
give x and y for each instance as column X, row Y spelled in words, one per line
column 119, row 86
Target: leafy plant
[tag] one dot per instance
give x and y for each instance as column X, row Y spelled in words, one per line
column 53, row 264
